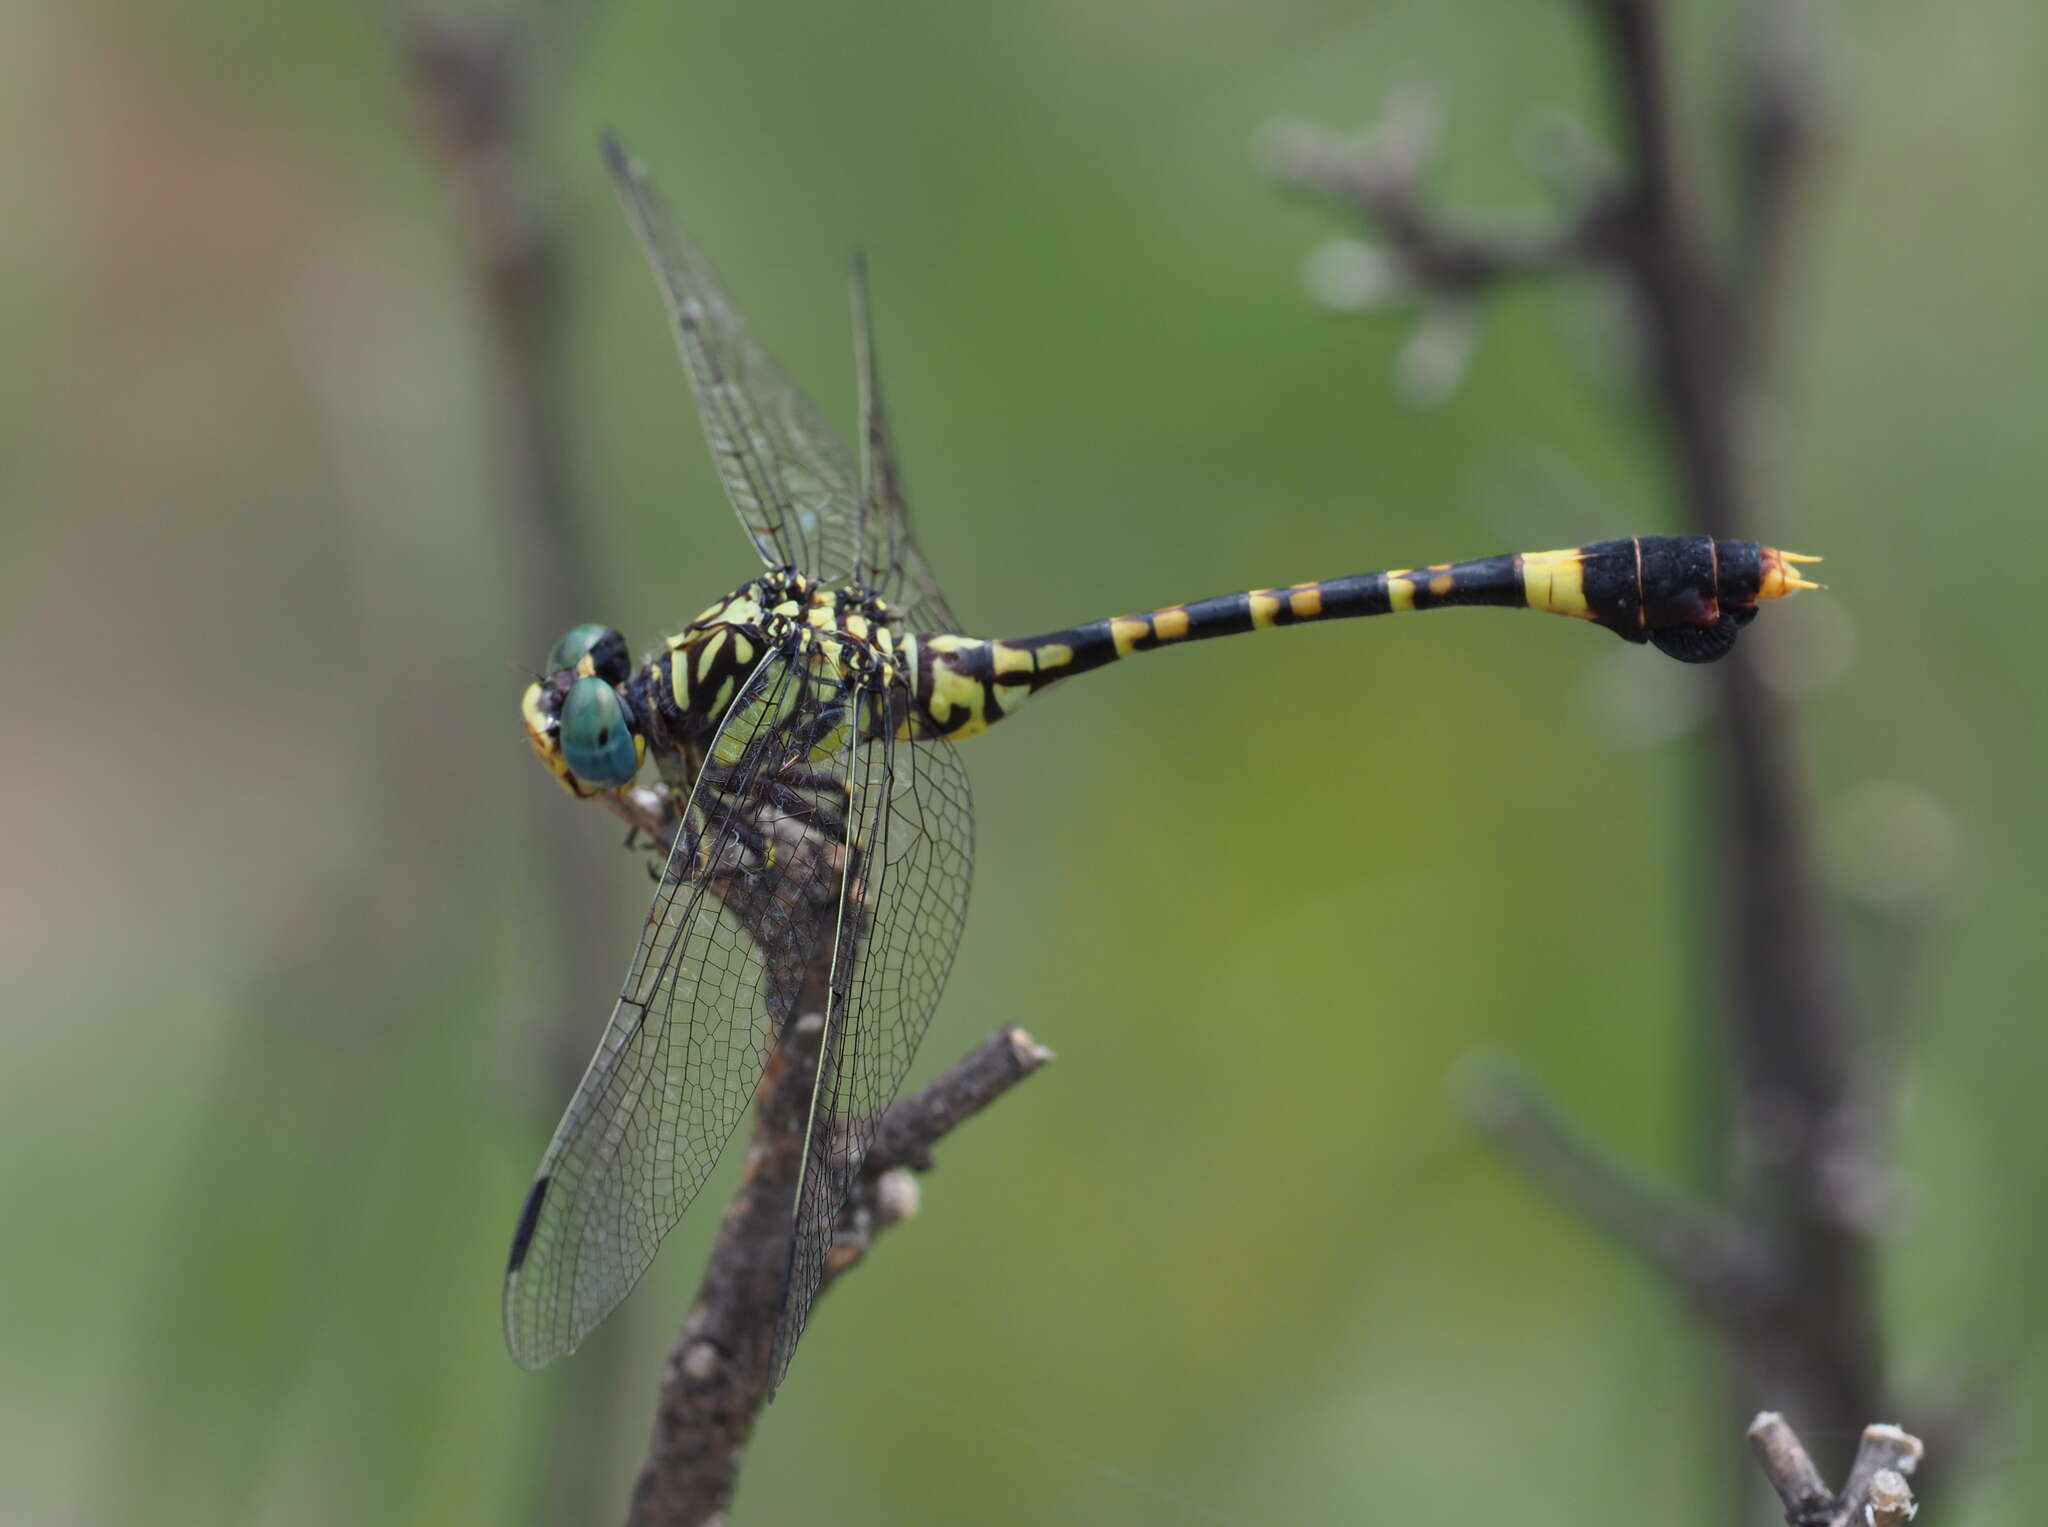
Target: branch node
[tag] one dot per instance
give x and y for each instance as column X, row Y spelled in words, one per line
column 700, row 1362
column 897, row 1196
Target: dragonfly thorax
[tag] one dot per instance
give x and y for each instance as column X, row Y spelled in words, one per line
column 594, row 724
column 843, row 632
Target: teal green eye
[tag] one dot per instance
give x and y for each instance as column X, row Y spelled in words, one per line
column 597, row 744
column 605, row 648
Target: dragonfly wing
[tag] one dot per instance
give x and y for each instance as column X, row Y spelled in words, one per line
column 911, row 822
column 678, row 1062
column 890, row 562
column 787, row 472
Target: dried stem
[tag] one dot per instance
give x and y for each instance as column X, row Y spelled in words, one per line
column 1794, row 1037
column 1778, row 112
column 717, row 1377
column 1727, row 1271
column 1801, row 1318
column 1381, row 176
column 1792, row 1473
column 1875, row 1493
column 477, row 83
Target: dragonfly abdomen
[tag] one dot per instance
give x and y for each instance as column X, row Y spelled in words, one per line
column 1688, row 595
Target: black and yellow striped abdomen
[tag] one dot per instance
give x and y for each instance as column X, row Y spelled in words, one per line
column 1688, row 595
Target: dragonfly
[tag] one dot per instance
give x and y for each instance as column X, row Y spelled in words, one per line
column 792, row 750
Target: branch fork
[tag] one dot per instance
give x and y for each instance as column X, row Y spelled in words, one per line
column 716, row 1380
column 1875, row 1494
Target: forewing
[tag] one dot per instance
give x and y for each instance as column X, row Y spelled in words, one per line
column 912, row 818
column 679, row 1060
column 788, row 474
column 890, row 562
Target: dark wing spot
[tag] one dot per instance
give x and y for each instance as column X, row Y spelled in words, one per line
column 528, row 1218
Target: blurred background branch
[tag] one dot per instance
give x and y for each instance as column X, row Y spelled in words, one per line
column 1787, row 1274
column 480, row 81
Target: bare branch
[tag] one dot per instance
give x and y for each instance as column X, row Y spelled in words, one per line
column 1380, row 177
column 913, row 1125
column 478, row 83
column 716, row 1379
column 1724, row 1269
column 1658, row 244
column 474, row 82
column 1436, row 264
column 1885, row 1449
column 1801, row 1129
column 1807, row 1498
column 1808, row 1121
column 1875, row 1494
column 1778, row 112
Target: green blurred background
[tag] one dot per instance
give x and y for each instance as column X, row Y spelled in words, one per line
column 278, row 947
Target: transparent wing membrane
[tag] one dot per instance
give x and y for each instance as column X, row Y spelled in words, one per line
column 891, row 563
column 815, row 858
column 913, row 818
column 673, row 1074
column 787, row 472
column 821, row 867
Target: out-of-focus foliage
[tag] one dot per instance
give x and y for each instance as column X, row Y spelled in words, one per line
column 272, row 922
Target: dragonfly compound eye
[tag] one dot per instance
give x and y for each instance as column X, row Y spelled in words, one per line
column 592, row 649
column 598, row 744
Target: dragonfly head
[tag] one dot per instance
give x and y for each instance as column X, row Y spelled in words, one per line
column 577, row 720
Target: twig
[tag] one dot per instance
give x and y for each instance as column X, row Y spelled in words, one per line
column 913, row 1125
column 1805, row 1328
column 478, row 82
column 475, row 81
column 1728, row 1273
column 723, row 1367
column 1778, row 115
column 1787, row 1004
column 716, row 1378
column 1874, row 1495
column 1884, row 1450
column 1437, row 264
column 1786, row 1464
column 1381, row 176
